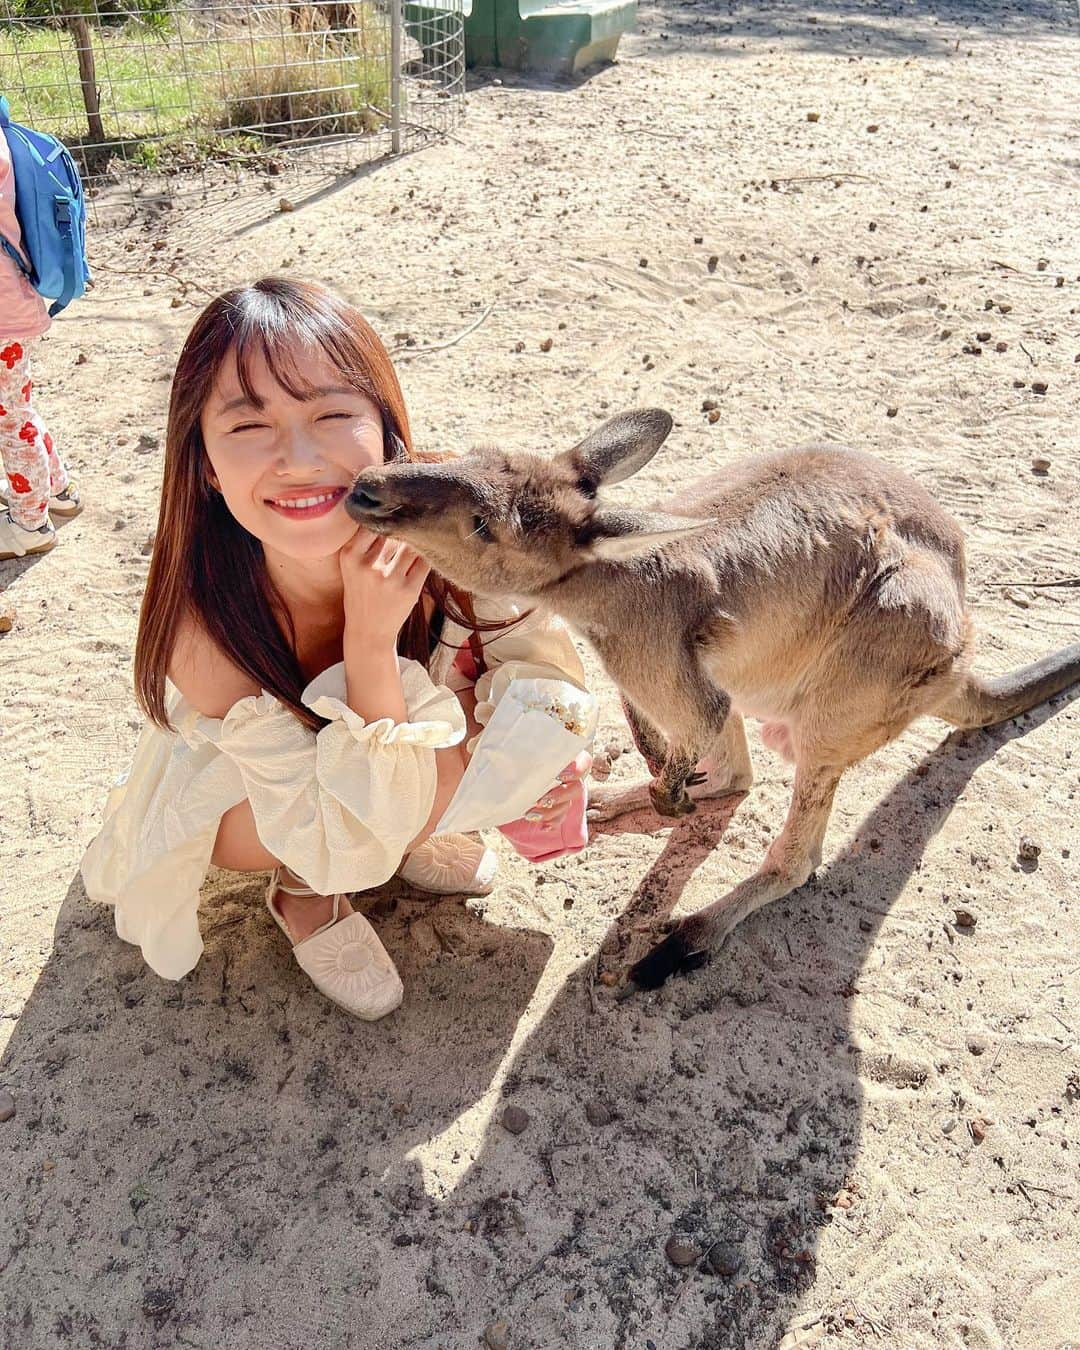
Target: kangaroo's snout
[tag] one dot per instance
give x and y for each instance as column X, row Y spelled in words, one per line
column 370, row 499
column 362, row 501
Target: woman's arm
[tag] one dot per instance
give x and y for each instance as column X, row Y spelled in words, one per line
column 382, row 583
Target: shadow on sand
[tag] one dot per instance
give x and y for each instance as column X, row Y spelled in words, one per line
column 227, row 1161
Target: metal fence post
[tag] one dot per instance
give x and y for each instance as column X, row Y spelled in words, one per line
column 395, row 75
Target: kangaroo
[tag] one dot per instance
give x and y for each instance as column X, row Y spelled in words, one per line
column 818, row 590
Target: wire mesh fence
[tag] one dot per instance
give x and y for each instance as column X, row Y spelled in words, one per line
column 158, row 97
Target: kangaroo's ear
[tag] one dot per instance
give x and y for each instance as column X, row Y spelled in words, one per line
column 621, row 447
column 615, row 535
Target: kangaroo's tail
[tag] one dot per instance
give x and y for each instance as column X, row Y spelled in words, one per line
column 981, row 702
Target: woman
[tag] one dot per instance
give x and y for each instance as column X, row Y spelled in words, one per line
column 308, row 687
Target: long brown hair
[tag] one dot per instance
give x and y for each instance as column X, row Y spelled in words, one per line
column 205, row 565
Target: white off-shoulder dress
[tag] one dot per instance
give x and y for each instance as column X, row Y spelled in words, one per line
column 338, row 807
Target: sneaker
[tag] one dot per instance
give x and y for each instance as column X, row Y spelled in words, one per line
column 451, row 864
column 15, row 542
column 66, row 503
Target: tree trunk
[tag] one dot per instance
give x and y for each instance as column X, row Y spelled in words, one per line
column 80, row 32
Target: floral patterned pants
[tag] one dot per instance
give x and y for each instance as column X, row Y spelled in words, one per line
column 34, row 470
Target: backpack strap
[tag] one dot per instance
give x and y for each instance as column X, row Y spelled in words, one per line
column 62, row 211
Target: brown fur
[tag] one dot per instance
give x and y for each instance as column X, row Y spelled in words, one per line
column 818, row 590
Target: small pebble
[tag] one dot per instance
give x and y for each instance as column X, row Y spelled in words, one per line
column 708, row 404
column 979, row 1127
column 80, row 360
column 1039, row 386
column 643, row 262
column 872, row 127
column 597, row 1113
column 713, row 416
column 515, row 1119
column 1040, row 465
column 7, row 619
column 983, row 337
column 7, row 1104
column 964, row 918
column 866, row 925
column 680, row 1253
column 948, row 1125
column 976, row 1045
column 608, row 979
column 714, row 262
column 813, row 117
column 1029, row 850
column 547, row 345
column 285, row 205
column 1001, row 346
column 497, row 1336
column 147, row 546
column 1004, row 309
column 724, row 1258
column 891, row 412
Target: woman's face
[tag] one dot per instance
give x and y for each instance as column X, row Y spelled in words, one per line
column 285, row 467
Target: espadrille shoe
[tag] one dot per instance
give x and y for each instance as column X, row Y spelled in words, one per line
column 451, row 864
column 344, row 959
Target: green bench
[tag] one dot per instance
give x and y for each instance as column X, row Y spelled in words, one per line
column 557, row 36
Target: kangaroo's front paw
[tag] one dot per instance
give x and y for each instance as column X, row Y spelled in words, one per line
column 676, row 955
column 669, row 803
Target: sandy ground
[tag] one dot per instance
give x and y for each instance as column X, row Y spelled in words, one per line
column 227, row 1161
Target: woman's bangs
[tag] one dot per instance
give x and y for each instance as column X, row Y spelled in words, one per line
column 281, row 339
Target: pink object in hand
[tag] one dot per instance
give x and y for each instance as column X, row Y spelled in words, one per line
column 538, row 842
column 532, row 839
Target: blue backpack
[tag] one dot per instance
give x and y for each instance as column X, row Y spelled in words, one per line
column 51, row 210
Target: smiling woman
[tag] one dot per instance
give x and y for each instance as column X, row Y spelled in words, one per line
column 308, row 684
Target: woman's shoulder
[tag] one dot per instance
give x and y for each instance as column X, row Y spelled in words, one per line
column 205, row 676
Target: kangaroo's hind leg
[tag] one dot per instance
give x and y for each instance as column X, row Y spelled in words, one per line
column 791, row 859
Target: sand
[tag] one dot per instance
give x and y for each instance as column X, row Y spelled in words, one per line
column 859, row 1122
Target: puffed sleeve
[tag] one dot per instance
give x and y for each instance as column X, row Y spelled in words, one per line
column 339, row 807
column 537, row 646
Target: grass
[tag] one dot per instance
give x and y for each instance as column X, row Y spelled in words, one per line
column 166, row 100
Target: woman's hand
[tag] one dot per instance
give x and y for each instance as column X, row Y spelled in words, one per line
column 556, row 803
column 383, row 579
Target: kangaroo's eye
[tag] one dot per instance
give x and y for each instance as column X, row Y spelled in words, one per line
column 480, row 529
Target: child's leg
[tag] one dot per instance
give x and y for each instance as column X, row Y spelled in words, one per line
column 58, row 470
column 24, row 442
